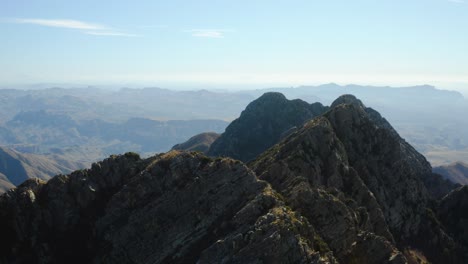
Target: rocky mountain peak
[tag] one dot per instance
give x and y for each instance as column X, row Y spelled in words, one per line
column 347, row 99
column 270, row 97
column 262, row 124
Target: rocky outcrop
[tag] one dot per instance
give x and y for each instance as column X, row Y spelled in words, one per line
column 262, row 124
column 200, row 142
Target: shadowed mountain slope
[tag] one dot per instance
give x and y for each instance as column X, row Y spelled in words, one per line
column 262, row 124
column 453, row 213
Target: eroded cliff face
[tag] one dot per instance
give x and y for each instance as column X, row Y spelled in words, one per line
column 342, row 188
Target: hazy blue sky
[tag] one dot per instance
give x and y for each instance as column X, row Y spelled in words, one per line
column 235, row 43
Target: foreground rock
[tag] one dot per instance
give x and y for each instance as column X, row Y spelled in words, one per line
column 172, row 208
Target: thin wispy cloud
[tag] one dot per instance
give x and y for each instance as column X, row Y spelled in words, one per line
column 155, row 26
column 63, row 23
column 457, row 1
column 110, row 33
column 208, row 33
column 85, row 27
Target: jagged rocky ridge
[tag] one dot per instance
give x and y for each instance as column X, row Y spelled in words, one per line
column 342, row 188
column 350, row 173
column 172, row 208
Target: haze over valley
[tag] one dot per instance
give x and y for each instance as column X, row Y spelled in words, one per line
column 84, row 125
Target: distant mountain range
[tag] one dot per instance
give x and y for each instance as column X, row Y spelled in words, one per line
column 455, row 172
column 331, row 185
column 85, row 125
column 46, row 131
column 17, row 167
column 430, row 119
column 55, row 143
